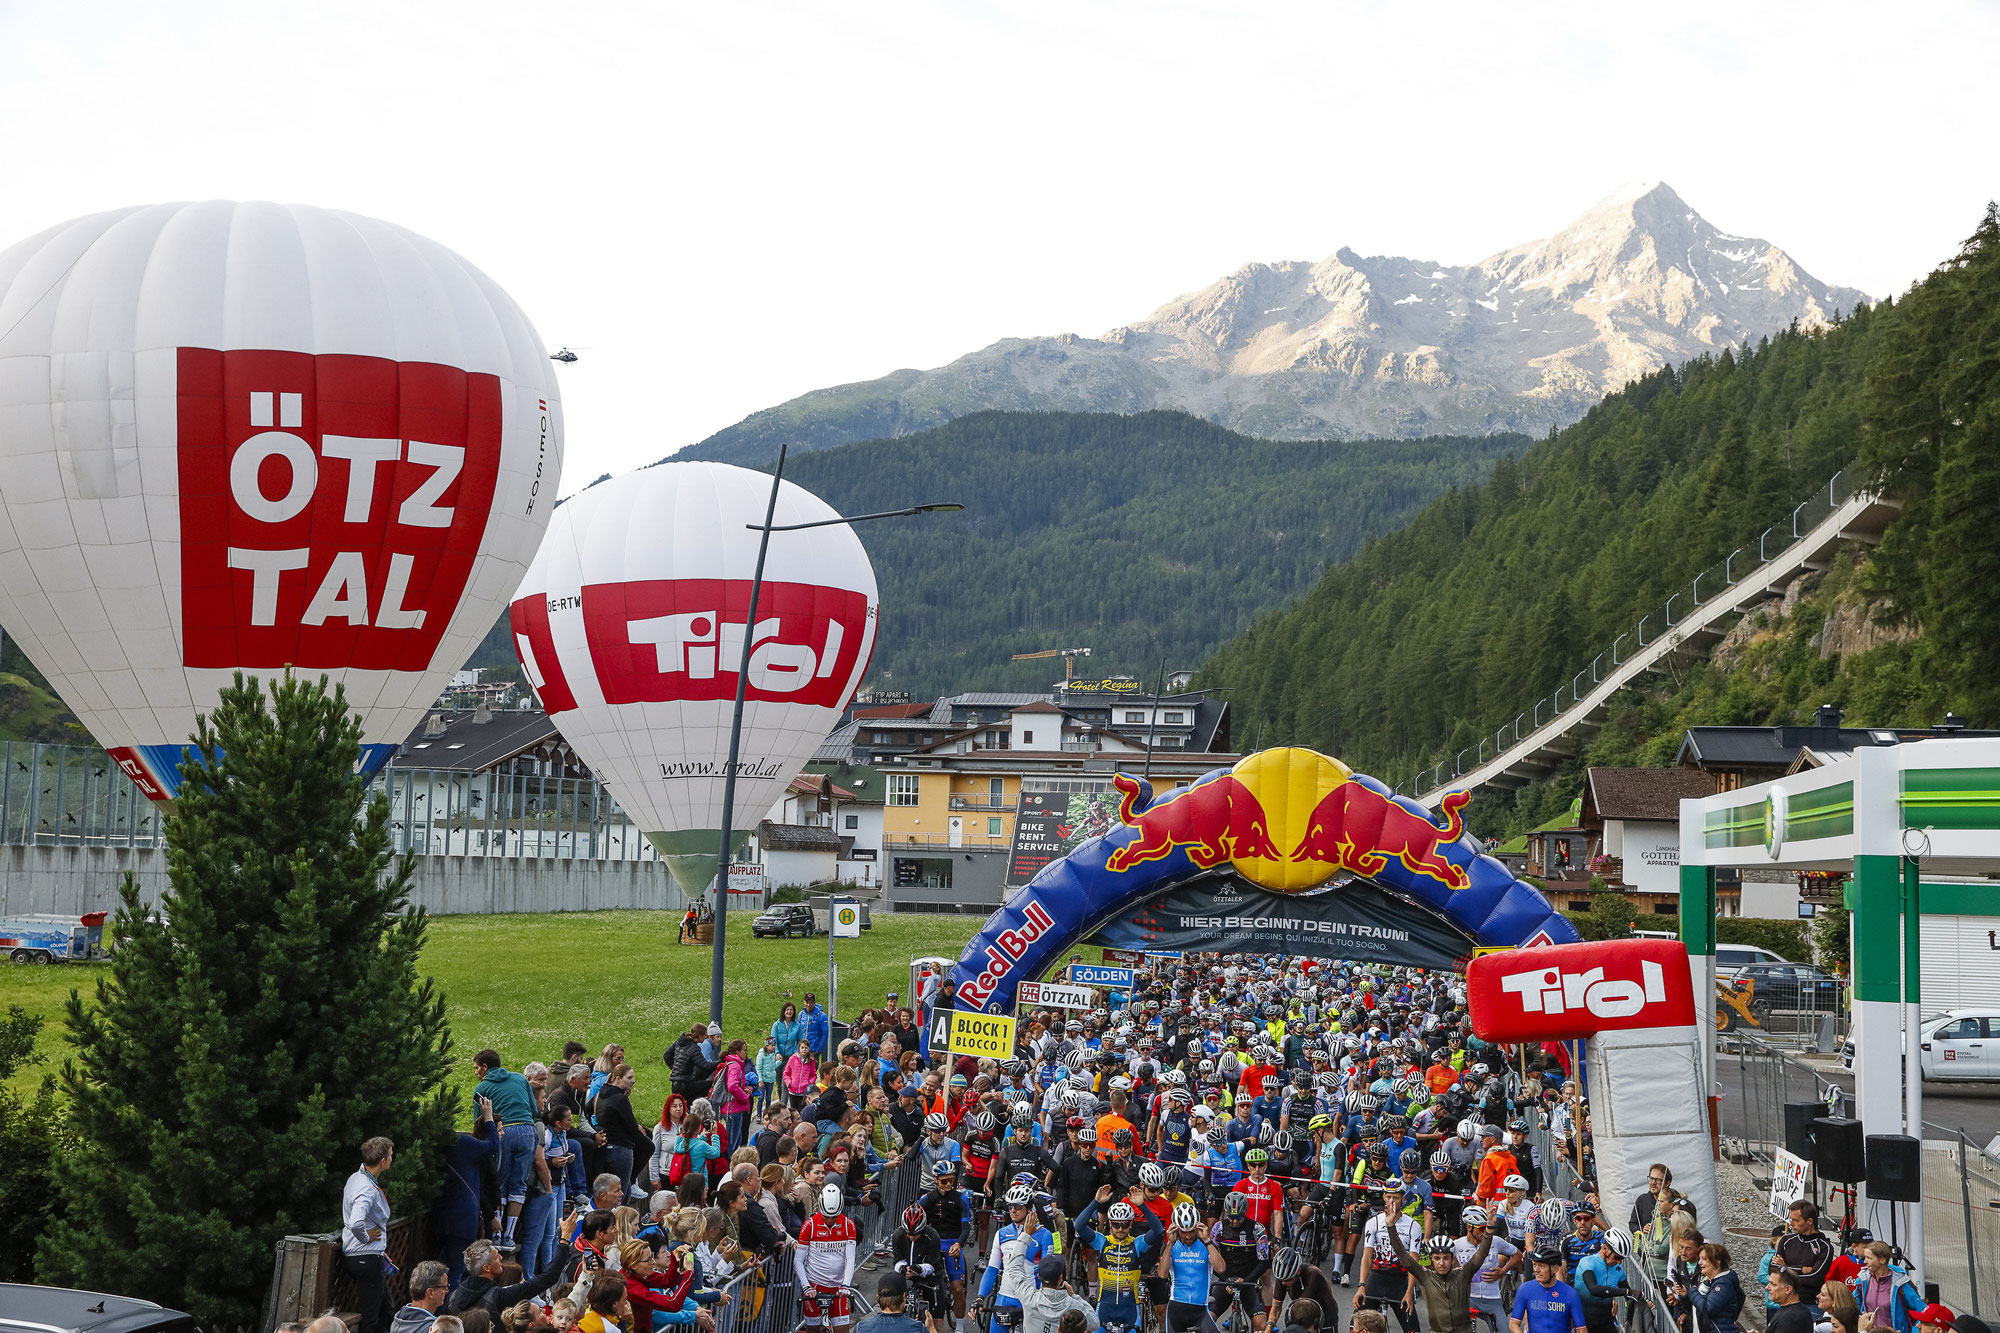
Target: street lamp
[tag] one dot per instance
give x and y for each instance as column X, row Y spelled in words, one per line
column 765, row 529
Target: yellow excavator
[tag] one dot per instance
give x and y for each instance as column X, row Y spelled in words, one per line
column 1732, row 1006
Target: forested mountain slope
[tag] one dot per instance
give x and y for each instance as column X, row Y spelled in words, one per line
column 1497, row 592
column 1144, row 538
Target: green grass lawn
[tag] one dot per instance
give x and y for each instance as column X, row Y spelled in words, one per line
column 525, row 984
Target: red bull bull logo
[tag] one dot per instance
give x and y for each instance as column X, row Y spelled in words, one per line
column 1357, row 828
column 1214, row 821
column 1290, row 820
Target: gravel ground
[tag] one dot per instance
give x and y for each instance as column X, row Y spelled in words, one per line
column 1745, row 1206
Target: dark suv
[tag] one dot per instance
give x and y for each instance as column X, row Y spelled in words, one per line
column 25, row 1309
column 782, row 919
column 1789, row 987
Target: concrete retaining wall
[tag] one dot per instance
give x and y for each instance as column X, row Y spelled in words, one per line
column 75, row 880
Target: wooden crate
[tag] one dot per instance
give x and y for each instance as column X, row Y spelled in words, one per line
column 307, row 1280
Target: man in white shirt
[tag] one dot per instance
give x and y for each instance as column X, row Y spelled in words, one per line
column 1488, row 1307
column 364, row 1234
column 1385, row 1284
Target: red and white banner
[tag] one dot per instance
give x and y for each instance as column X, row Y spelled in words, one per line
column 1566, row 991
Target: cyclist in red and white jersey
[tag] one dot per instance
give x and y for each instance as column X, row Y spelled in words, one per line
column 824, row 1261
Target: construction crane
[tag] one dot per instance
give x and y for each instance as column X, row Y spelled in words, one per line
column 1068, row 655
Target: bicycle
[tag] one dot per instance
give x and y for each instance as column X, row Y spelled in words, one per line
column 1235, row 1317
column 991, row 1312
column 858, row 1308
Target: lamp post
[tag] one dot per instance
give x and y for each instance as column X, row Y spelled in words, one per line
column 765, row 529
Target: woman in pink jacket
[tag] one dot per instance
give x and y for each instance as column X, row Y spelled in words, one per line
column 735, row 1108
column 801, row 1072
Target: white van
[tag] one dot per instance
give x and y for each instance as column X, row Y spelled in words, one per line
column 1733, row 958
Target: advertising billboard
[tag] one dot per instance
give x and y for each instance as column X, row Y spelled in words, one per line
column 1048, row 825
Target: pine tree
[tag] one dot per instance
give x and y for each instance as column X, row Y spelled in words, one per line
column 32, row 1139
column 250, row 1035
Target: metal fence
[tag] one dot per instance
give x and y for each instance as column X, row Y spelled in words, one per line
column 1756, row 1080
column 75, row 795
column 1801, row 1016
column 1961, row 1220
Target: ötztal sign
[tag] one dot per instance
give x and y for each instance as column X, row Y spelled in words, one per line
column 331, row 506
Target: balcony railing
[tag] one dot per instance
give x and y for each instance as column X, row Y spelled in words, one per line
column 980, row 803
column 892, row 842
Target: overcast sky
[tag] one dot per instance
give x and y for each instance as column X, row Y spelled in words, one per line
column 727, row 204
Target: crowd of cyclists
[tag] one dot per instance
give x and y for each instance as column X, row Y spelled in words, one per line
column 1242, row 1143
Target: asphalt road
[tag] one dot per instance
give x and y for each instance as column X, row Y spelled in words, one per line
column 1754, row 1092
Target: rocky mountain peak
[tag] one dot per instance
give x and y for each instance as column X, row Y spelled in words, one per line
column 1371, row 345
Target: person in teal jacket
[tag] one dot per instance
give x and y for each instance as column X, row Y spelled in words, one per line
column 767, row 1074
column 513, row 1102
column 788, row 1029
column 700, row 1138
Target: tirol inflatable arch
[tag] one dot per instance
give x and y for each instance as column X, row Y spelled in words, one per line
column 1246, row 858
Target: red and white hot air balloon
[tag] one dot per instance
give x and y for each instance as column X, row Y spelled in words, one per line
column 630, row 624
column 259, row 436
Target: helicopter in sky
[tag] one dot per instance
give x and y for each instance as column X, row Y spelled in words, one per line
column 567, row 356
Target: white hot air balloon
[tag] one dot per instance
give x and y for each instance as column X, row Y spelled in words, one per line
column 259, row 436
column 630, row 624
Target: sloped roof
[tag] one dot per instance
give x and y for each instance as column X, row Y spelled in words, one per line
column 1751, row 747
column 816, row 784
column 1643, row 793
column 797, row 838
column 1039, row 706
column 471, row 745
column 838, row 747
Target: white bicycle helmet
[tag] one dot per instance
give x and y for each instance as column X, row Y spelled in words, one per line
column 1468, row 1129
column 936, row 1123
column 1019, row 1196
column 1515, row 1183
column 1620, row 1241
column 1121, row 1212
column 1286, row 1265
column 1554, row 1216
column 1186, row 1218
column 830, row 1200
column 1152, row 1177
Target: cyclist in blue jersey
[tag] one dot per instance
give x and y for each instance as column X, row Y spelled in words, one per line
column 1119, row 1254
column 1189, row 1260
column 1018, row 1250
column 1581, row 1243
column 1545, row 1303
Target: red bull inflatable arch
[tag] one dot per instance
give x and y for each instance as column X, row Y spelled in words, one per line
column 1286, row 851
